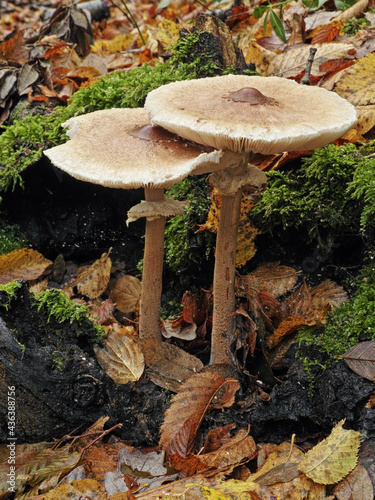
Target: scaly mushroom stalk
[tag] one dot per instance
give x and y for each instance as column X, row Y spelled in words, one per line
column 224, row 272
column 149, row 315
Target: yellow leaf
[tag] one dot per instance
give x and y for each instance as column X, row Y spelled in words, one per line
column 23, row 264
column 366, row 118
column 333, row 458
column 117, row 44
column 280, row 474
column 246, row 230
column 357, row 85
column 233, row 489
column 167, row 32
column 258, row 55
column 93, row 280
column 121, row 358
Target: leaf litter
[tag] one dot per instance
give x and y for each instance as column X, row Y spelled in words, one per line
column 347, row 59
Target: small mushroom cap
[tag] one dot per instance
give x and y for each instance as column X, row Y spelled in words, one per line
column 119, row 148
column 251, row 113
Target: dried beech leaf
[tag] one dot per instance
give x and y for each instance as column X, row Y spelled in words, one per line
column 200, row 394
column 143, row 470
column 298, row 302
column 217, row 437
column 271, row 278
column 93, row 280
column 23, row 264
column 334, row 457
column 286, row 327
column 125, row 293
column 357, row 485
column 102, row 311
column 195, row 307
column 48, row 465
column 239, row 448
column 38, row 286
column 279, row 474
column 325, row 297
column 168, row 365
column 121, row 358
column 361, row 359
column 14, row 51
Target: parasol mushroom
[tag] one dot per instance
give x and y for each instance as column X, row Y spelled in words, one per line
column 119, row 148
column 244, row 114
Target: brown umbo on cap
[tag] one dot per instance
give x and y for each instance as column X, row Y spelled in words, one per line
column 265, row 115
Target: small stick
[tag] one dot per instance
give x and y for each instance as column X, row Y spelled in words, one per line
column 306, row 79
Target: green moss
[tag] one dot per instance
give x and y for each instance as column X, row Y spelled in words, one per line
column 330, row 194
column 349, row 324
column 63, row 309
column 11, row 238
column 184, row 247
column 22, row 144
column 58, row 361
column 8, row 292
column 353, row 25
column 362, row 187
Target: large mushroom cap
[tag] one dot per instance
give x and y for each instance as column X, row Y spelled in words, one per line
column 118, row 148
column 251, row 113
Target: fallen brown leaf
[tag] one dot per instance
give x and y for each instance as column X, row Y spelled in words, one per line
column 200, row 394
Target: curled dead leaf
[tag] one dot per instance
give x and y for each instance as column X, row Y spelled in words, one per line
column 121, row 358
column 125, row 293
column 200, row 394
column 361, row 359
column 23, row 264
column 93, row 280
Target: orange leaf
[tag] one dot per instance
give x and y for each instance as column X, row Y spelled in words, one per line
column 325, row 33
column 48, row 92
column 235, row 451
column 197, row 396
column 286, row 327
column 335, row 65
column 239, row 448
column 217, row 437
column 14, row 51
column 84, row 73
column 23, row 264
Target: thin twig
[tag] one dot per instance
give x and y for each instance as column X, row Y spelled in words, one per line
column 128, row 14
column 306, row 79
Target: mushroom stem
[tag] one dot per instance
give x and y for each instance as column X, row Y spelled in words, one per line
column 224, row 297
column 149, row 315
column 224, row 273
